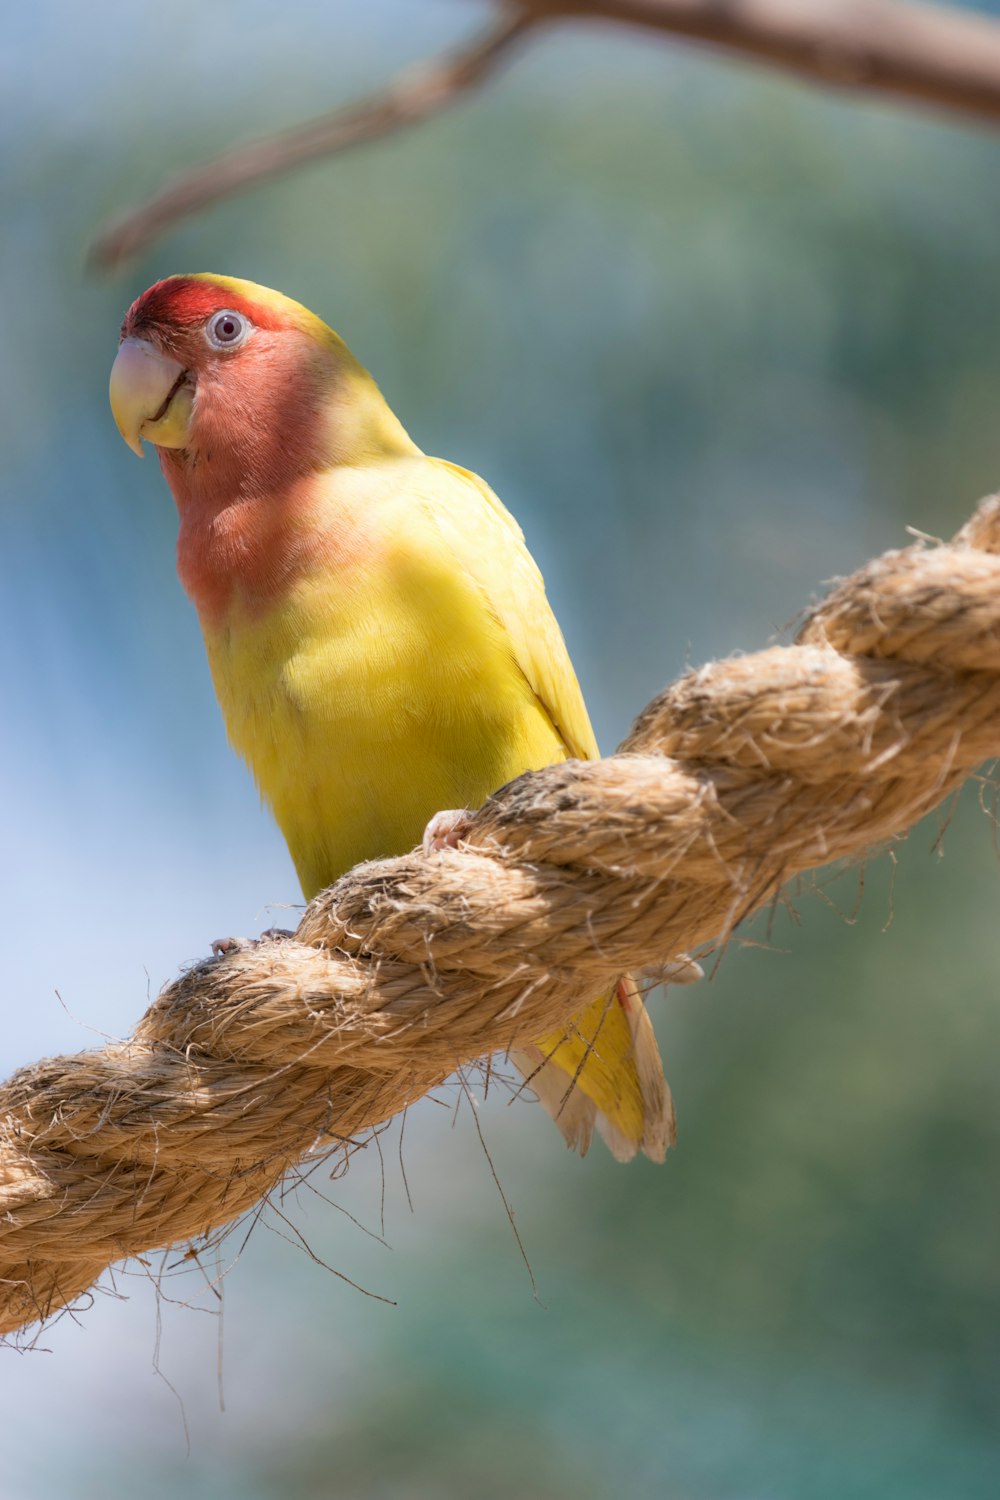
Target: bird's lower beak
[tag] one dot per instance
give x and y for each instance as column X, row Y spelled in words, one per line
column 151, row 396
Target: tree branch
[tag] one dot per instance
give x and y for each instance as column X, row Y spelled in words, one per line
column 936, row 55
column 416, row 94
column 896, row 49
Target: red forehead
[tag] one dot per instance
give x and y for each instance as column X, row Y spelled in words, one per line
column 184, row 302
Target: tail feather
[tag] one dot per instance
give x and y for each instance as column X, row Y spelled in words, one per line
column 606, row 1073
column 569, row 1107
column 659, row 1120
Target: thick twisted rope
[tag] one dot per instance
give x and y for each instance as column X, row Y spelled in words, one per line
column 737, row 777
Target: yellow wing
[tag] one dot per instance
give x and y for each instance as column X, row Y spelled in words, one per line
column 490, row 545
column 606, row 1070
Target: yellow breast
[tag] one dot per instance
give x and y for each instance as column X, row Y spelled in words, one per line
column 375, row 695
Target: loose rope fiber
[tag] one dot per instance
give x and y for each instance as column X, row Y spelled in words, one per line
column 736, row 778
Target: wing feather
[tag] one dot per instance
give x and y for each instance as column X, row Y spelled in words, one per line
column 490, row 545
column 606, row 1071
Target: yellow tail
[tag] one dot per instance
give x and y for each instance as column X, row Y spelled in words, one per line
column 605, row 1071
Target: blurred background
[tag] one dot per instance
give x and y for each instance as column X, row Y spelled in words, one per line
column 715, row 338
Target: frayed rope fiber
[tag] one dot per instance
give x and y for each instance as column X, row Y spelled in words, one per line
column 739, row 776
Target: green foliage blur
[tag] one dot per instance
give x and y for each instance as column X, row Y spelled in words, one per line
column 714, row 338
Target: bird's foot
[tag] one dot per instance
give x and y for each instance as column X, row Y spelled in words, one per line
column 680, row 970
column 224, row 946
column 221, row 947
column 446, row 830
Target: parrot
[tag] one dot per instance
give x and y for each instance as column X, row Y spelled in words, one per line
column 377, row 632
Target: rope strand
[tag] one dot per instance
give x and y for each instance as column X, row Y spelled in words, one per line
column 739, row 776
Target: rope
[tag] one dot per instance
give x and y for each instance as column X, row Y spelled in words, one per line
column 736, row 778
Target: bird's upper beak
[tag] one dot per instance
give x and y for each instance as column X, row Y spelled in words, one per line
column 151, row 396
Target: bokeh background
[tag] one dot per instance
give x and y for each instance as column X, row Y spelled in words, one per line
column 715, row 338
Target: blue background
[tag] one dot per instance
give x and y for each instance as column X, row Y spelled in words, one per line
column 715, row 338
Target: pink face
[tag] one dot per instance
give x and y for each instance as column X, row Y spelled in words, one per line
column 214, row 375
column 247, row 396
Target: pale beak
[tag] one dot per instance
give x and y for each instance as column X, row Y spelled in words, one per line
column 151, row 396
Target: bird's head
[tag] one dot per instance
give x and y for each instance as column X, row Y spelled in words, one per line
column 222, row 373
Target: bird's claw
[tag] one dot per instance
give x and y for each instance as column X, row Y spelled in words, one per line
column 446, row 830
column 680, row 970
column 222, row 947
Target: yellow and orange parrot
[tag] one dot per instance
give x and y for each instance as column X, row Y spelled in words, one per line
column 378, row 634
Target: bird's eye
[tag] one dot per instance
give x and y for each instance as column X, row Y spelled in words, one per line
column 227, row 330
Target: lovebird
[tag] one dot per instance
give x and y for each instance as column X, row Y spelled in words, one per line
column 377, row 632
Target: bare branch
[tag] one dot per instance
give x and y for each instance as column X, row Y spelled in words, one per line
column 946, row 57
column 415, row 95
column 898, row 49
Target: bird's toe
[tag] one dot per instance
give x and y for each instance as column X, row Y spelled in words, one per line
column 446, row 830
